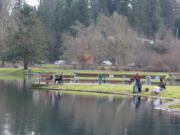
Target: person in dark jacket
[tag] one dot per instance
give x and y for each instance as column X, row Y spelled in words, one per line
column 162, row 84
column 138, row 83
column 59, row 78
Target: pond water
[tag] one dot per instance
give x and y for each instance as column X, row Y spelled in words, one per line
column 27, row 112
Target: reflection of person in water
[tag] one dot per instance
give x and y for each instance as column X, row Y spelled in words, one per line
column 99, row 101
column 136, row 101
column 157, row 101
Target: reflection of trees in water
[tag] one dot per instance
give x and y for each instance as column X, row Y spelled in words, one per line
column 16, row 103
column 57, row 113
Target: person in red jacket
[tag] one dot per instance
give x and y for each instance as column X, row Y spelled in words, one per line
column 137, row 77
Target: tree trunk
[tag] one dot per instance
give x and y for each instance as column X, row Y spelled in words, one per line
column 25, row 65
column 83, row 63
column 2, row 63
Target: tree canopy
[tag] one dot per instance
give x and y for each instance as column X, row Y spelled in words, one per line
column 27, row 43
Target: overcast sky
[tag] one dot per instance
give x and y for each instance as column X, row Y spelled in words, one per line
column 33, row 2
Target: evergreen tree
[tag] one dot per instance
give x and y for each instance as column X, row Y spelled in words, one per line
column 27, row 43
column 106, row 7
column 82, row 12
column 167, row 12
column 148, row 18
column 59, row 16
column 153, row 18
column 177, row 27
column 19, row 4
column 122, row 7
column 128, row 9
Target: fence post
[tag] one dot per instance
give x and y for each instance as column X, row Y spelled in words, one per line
column 170, row 79
column 53, row 78
column 39, row 77
column 104, row 79
column 124, row 79
column 74, row 78
column 100, row 79
column 148, row 80
column 28, row 77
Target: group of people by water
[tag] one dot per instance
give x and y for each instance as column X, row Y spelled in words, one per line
column 137, row 87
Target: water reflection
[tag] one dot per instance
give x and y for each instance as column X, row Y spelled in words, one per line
column 136, row 100
column 110, row 98
column 157, row 101
column 26, row 112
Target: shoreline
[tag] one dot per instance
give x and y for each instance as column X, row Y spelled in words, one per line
column 166, row 107
column 172, row 92
column 163, row 107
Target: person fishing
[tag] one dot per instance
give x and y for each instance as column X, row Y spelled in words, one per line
column 59, row 78
column 162, row 84
column 137, row 84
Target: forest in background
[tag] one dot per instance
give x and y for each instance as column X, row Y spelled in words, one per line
column 144, row 32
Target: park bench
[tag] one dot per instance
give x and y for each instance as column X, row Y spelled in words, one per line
column 120, row 78
column 66, row 78
column 50, row 77
column 43, row 77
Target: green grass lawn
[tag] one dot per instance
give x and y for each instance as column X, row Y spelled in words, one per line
column 54, row 66
column 18, row 72
column 175, row 106
column 170, row 92
column 70, row 72
column 12, row 73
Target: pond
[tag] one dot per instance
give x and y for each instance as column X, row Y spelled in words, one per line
column 30, row 112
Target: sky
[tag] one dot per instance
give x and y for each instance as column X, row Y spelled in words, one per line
column 32, row 2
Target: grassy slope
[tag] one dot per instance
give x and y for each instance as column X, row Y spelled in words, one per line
column 170, row 92
column 11, row 73
column 18, row 73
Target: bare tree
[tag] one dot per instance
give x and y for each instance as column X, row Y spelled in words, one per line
column 111, row 39
column 121, row 38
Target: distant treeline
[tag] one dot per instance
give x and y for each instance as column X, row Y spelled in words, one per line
column 89, row 30
column 145, row 16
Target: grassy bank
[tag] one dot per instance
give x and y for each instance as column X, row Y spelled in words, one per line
column 170, row 92
column 18, row 73
column 175, row 106
column 12, row 73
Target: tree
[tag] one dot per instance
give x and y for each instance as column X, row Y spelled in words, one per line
column 82, row 12
column 122, row 7
column 128, row 9
column 77, row 48
column 148, row 18
column 27, row 43
column 121, row 48
column 177, row 27
column 59, row 16
column 107, row 40
column 167, row 12
column 6, row 20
